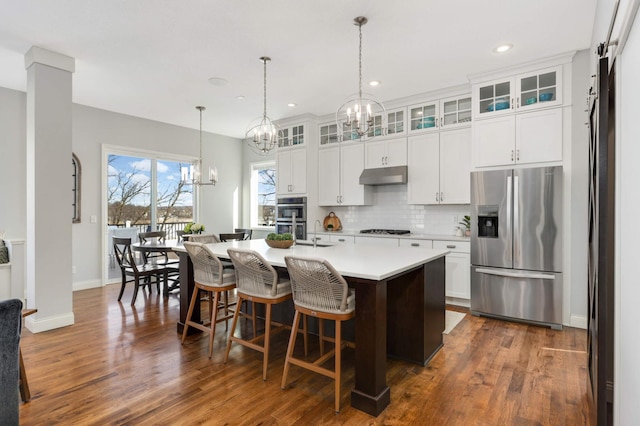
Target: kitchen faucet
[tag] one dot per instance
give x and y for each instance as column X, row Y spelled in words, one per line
column 315, row 232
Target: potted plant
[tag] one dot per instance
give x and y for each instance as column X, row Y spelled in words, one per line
column 466, row 221
column 279, row 240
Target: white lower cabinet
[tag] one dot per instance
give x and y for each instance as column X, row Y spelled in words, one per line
column 392, row 242
column 457, row 267
column 341, row 239
column 412, row 242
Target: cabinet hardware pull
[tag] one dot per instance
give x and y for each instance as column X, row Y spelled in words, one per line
column 518, row 155
column 451, row 246
column 511, row 155
column 341, row 240
column 511, row 103
column 415, row 244
column 441, row 197
column 437, row 199
column 518, row 102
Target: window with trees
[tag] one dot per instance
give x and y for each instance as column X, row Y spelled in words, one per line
column 263, row 194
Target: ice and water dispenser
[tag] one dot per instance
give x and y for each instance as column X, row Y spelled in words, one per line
column 488, row 221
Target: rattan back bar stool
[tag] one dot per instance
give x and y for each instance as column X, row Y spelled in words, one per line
column 319, row 291
column 208, row 275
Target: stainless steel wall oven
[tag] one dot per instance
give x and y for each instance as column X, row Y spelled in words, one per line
column 291, row 214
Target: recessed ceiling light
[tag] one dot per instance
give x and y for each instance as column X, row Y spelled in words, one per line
column 217, row 81
column 374, row 83
column 240, row 98
column 503, row 48
column 292, row 105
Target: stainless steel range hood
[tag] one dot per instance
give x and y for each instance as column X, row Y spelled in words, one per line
column 384, row 176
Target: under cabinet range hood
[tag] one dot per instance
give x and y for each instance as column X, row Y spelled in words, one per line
column 384, row 176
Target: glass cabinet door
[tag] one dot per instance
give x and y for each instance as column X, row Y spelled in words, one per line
column 540, row 89
column 297, row 136
column 328, row 134
column 493, row 98
column 283, row 138
column 423, row 117
column 455, row 111
column 393, row 126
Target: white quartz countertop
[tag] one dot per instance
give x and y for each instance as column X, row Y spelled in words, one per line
column 417, row 236
column 372, row 262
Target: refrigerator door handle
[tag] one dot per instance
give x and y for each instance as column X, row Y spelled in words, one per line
column 509, row 216
column 540, row 275
column 516, row 218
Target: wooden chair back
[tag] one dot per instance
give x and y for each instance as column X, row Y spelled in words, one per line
column 232, row 236
column 246, row 231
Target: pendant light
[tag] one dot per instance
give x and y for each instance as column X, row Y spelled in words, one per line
column 263, row 134
column 190, row 175
column 356, row 116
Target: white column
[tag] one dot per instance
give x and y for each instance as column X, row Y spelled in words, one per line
column 49, row 214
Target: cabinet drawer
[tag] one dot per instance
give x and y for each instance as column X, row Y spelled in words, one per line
column 453, row 246
column 410, row 242
column 341, row 239
column 377, row 240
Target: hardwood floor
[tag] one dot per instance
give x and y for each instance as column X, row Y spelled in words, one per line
column 124, row 365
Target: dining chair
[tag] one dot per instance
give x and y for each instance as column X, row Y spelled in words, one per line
column 248, row 232
column 129, row 268
column 258, row 282
column 166, row 258
column 179, row 234
column 211, row 277
column 203, row 238
column 319, row 291
column 232, row 236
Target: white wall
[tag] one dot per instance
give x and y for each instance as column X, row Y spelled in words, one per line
column 91, row 129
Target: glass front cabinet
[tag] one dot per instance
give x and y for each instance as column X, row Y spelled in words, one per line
column 447, row 113
column 291, row 136
column 524, row 92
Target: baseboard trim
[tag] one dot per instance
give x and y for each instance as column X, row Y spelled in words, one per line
column 578, row 321
column 84, row 285
column 465, row 303
column 38, row 325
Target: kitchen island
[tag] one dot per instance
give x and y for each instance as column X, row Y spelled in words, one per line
column 400, row 305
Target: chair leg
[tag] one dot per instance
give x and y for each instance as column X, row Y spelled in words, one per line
column 292, row 344
column 254, row 318
column 214, row 320
column 267, row 341
column 136, row 282
column 24, row 385
column 192, row 305
column 321, row 333
column 124, row 283
column 305, row 330
column 338, row 352
column 236, row 314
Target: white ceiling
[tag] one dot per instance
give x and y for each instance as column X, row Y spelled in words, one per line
column 153, row 58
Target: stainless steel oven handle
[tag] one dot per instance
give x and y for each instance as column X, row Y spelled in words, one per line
column 538, row 275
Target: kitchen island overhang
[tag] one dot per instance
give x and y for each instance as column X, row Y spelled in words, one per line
column 400, row 305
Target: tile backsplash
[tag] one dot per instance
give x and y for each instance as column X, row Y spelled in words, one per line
column 391, row 211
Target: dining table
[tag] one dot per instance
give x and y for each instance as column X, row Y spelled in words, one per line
column 400, row 304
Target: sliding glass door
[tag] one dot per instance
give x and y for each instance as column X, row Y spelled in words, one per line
column 144, row 194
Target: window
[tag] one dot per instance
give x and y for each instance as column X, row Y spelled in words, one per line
column 263, row 194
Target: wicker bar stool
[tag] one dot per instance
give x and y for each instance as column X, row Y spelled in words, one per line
column 210, row 276
column 319, row 291
column 257, row 281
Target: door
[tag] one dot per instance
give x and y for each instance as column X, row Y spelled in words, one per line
column 537, row 224
column 491, row 218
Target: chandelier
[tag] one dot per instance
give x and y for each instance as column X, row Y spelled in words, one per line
column 356, row 116
column 191, row 175
column 262, row 135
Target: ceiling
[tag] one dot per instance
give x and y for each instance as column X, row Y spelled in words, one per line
column 153, row 58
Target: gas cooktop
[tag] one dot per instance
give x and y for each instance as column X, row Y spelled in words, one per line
column 386, row 231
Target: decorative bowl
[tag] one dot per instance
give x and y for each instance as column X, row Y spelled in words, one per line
column 283, row 244
column 546, row 96
column 532, row 100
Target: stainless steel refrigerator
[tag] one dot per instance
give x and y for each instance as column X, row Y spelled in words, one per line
column 516, row 244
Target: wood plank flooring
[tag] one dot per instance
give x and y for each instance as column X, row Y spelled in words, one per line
column 124, row 365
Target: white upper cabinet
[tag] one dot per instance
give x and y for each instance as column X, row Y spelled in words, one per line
column 523, row 92
column 328, row 134
column 395, row 125
column 518, row 120
column 291, row 136
column 440, row 114
column 385, row 153
column 439, row 167
column 292, row 171
column 339, row 169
